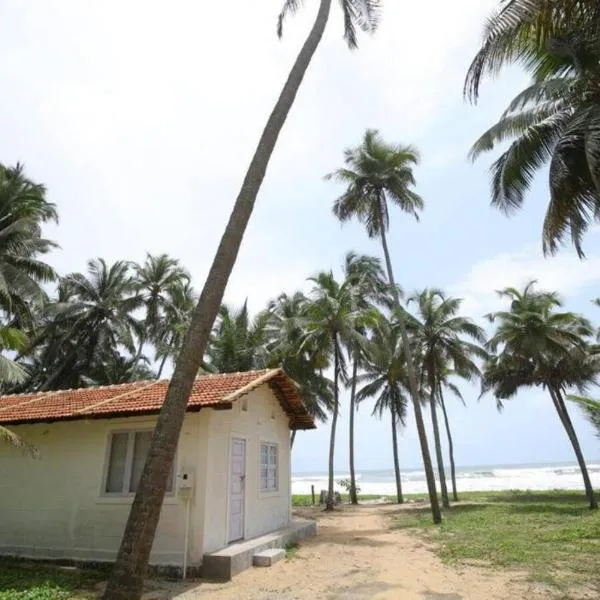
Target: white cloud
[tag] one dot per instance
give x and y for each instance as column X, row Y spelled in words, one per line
column 564, row 273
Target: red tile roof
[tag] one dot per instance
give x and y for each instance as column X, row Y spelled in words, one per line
column 146, row 397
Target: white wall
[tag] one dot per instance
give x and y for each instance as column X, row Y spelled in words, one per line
column 52, row 507
column 264, row 420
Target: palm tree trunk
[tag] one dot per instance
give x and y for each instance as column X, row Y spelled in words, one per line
column 292, row 438
column 162, row 366
column 138, row 356
column 353, row 494
column 399, row 495
column 414, row 389
column 126, row 580
column 438, row 444
column 563, row 414
column 450, row 445
column 336, row 368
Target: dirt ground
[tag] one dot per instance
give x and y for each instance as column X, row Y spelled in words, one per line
column 356, row 556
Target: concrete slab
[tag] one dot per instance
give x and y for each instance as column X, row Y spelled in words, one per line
column 235, row 558
column 266, row 558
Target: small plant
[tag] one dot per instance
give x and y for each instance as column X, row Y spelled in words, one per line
column 291, row 550
column 346, row 485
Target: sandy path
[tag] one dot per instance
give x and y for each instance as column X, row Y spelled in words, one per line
column 357, row 556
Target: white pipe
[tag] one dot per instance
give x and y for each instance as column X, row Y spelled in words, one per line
column 186, row 534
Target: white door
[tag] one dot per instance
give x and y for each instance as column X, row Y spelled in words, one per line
column 237, row 487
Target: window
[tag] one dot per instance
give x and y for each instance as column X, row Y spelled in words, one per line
column 127, row 451
column 269, row 468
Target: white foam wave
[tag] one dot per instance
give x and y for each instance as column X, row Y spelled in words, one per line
column 492, row 479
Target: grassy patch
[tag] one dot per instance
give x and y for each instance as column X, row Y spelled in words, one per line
column 552, row 535
column 34, row 581
column 306, row 499
column 291, row 550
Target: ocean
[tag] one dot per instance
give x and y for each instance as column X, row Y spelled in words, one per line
column 558, row 476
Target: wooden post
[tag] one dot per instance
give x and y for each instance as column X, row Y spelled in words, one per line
column 312, row 493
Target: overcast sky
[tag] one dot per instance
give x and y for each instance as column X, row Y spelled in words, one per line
column 141, row 118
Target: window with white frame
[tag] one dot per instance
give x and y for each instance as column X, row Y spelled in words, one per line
column 269, row 467
column 127, row 451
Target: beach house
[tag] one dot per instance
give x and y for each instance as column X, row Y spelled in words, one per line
column 230, row 480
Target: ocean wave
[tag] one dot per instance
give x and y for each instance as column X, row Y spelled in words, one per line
column 547, row 477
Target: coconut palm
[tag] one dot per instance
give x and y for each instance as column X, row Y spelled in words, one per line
column 444, row 383
column 376, row 173
column 238, row 343
column 385, row 378
column 304, row 362
column 555, row 121
column 441, row 337
column 169, row 336
column 11, row 373
column 590, row 409
column 91, row 319
column 365, row 275
column 536, row 344
column 126, row 581
column 23, row 210
column 331, row 323
column 155, row 282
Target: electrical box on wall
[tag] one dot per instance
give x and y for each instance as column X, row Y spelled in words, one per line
column 185, row 479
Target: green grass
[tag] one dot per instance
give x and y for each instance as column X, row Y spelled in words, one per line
column 21, row 580
column 552, row 535
column 291, row 550
column 306, row 499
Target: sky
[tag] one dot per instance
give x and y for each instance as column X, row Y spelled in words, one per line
column 141, row 118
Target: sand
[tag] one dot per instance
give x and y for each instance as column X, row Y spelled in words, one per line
column 356, row 555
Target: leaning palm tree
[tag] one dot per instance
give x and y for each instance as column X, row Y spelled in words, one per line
column 155, row 282
column 377, row 173
column 385, row 378
column 535, row 344
column 365, row 275
column 441, row 336
column 126, row 580
column 331, row 319
column 555, row 121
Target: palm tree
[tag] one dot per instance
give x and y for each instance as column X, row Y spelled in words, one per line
column 440, row 336
column 155, row 282
column 553, row 121
column 93, row 317
column 445, row 383
column 591, row 411
column 331, row 318
column 365, row 275
column 171, row 331
column 537, row 345
column 23, row 210
column 304, row 362
column 238, row 343
column 385, row 378
column 11, row 373
column 126, row 581
column 377, row 172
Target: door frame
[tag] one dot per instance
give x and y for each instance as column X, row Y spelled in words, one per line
column 244, row 438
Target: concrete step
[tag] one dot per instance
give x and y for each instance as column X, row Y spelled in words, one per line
column 233, row 559
column 266, row 558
